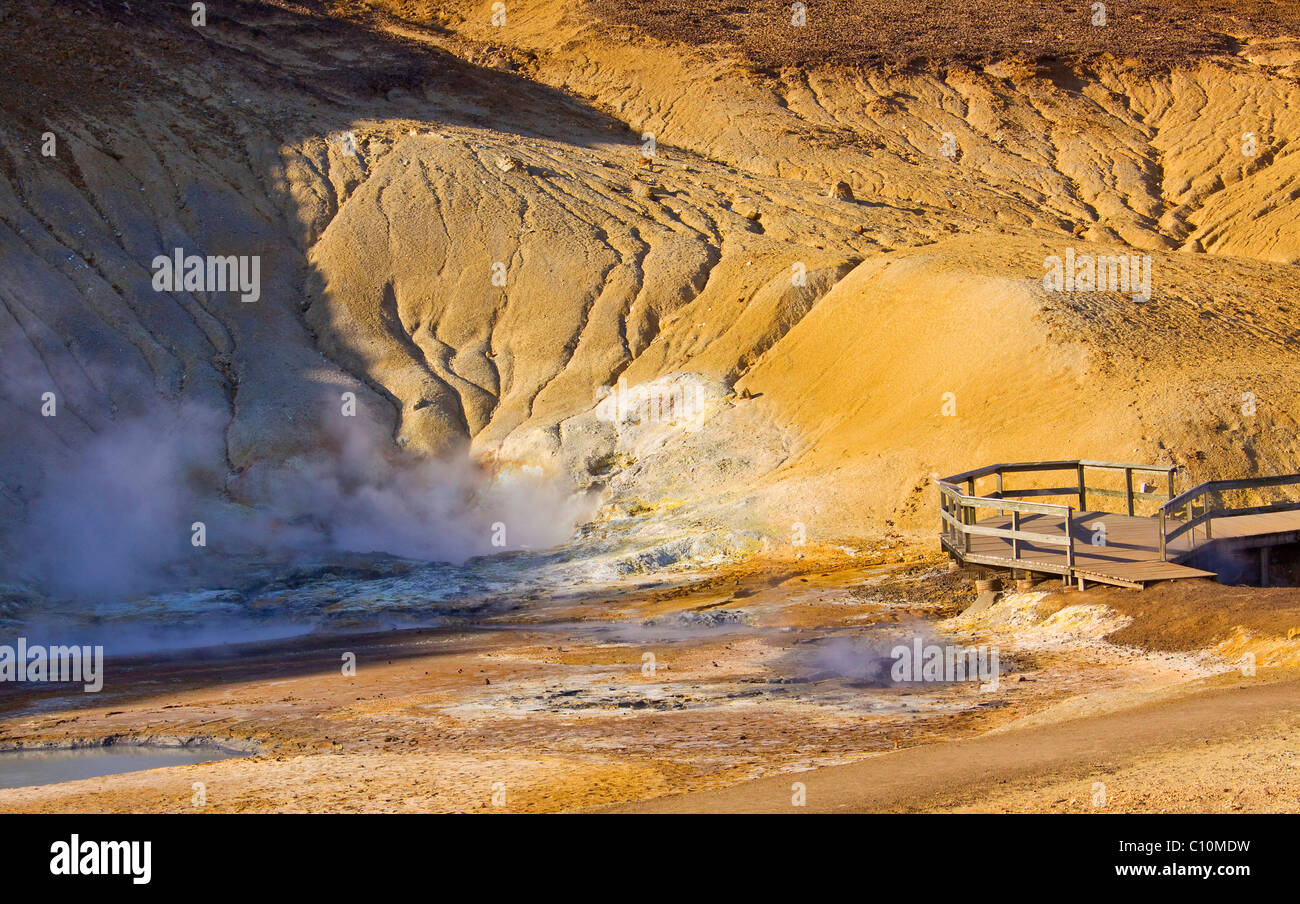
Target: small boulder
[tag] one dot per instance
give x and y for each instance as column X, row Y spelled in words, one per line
column 984, row 601
column 746, row 208
column 841, row 191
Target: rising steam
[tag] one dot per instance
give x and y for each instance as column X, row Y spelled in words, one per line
column 117, row 516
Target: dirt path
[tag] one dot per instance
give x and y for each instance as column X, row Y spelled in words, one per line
column 1014, row 766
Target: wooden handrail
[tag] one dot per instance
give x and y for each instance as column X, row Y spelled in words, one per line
column 1207, row 515
column 1070, row 465
column 963, row 524
column 1246, row 483
column 1007, row 505
column 1176, row 515
column 1081, row 489
column 958, row 503
column 1014, row 534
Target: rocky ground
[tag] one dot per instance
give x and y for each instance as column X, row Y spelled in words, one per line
column 679, row 287
column 663, row 214
column 603, row 696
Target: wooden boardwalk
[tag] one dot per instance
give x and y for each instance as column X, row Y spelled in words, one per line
column 998, row 528
column 1109, row 548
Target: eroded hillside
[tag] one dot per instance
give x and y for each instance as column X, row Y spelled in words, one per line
column 478, row 228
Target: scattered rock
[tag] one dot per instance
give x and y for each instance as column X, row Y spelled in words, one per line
column 841, row 191
column 984, row 601
column 746, row 208
column 883, row 105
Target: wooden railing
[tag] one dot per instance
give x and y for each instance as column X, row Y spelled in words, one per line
column 1195, row 508
column 959, row 510
column 1081, row 489
column 959, row 516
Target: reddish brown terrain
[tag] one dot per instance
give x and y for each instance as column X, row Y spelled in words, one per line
column 502, row 241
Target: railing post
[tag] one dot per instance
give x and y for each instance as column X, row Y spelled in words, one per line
column 1069, row 535
column 1170, row 475
column 1083, row 492
column 1163, row 557
column 1128, row 489
column 1015, row 527
column 944, row 530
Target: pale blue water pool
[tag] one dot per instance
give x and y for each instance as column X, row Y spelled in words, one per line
column 21, row 768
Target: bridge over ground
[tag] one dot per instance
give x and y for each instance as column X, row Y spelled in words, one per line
column 1154, row 536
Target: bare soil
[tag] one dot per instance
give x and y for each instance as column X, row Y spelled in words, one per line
column 1193, row 615
column 595, row 697
column 936, row 33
